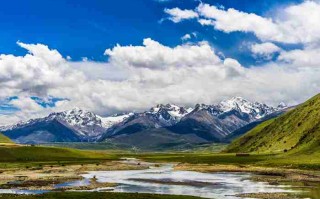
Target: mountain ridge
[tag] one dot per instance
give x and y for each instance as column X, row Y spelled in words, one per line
column 84, row 126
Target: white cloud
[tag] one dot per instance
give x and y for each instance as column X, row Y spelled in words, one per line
column 84, row 59
column 206, row 22
column 26, row 103
column 233, row 20
column 100, row 70
column 186, row 37
column 307, row 57
column 293, row 24
column 149, row 74
column 234, row 68
column 154, row 55
column 265, row 50
column 35, row 72
column 177, row 14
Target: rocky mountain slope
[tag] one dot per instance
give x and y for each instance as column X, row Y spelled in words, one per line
column 297, row 130
column 204, row 123
column 157, row 117
column 215, row 122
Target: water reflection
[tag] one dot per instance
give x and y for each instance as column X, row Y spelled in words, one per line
column 25, row 192
column 164, row 180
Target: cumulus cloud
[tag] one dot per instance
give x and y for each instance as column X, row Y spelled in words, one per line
column 177, row 14
column 293, row 24
column 265, row 50
column 154, row 55
column 233, row 20
column 149, row 74
column 100, row 70
column 35, row 72
column 306, row 57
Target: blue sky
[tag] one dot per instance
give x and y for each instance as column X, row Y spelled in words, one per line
column 262, row 50
column 85, row 28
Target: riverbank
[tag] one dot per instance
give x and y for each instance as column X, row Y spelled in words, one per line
column 276, row 174
column 306, row 181
column 47, row 177
column 96, row 195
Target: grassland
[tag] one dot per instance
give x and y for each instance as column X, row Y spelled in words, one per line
column 281, row 160
column 110, row 146
column 22, row 156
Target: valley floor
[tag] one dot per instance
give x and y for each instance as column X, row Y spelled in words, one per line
column 50, row 165
column 96, row 195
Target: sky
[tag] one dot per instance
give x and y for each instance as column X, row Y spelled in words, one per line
column 117, row 56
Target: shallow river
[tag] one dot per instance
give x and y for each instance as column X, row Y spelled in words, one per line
column 165, row 180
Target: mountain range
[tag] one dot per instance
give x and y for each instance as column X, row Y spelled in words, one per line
column 162, row 125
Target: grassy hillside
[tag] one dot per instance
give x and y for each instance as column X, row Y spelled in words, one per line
column 297, row 131
column 4, row 139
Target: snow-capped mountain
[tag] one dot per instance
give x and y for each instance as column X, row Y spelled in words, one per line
column 87, row 124
column 169, row 114
column 255, row 109
column 75, row 117
column 108, row 122
column 157, row 117
column 216, row 122
column 80, row 124
column 208, row 122
column 211, row 122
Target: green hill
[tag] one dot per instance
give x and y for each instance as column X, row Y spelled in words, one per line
column 4, row 139
column 297, row 131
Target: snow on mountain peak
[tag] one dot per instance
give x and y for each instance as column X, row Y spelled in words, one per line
column 173, row 110
column 255, row 109
column 107, row 122
column 77, row 117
